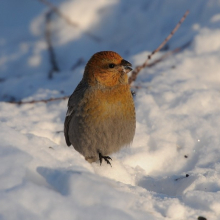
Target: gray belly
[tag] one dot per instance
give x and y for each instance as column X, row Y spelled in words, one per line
column 91, row 135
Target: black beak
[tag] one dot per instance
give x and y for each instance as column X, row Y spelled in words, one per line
column 126, row 65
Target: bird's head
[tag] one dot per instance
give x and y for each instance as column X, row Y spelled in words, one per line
column 107, row 68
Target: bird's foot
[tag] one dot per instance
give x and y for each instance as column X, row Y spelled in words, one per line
column 106, row 158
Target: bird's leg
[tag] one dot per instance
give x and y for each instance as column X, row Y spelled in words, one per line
column 106, row 158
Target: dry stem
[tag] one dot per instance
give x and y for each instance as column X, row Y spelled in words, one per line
column 69, row 21
column 42, row 100
column 54, row 65
column 139, row 68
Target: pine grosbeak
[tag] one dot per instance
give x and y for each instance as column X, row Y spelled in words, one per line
column 101, row 116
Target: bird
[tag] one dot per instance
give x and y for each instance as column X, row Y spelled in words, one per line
column 100, row 118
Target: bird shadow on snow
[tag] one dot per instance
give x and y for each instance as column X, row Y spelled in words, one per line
column 59, row 179
column 66, row 180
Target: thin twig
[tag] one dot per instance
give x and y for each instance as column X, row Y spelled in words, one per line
column 170, row 35
column 139, row 68
column 78, row 63
column 169, row 53
column 54, row 65
column 37, row 101
column 187, row 175
column 68, row 20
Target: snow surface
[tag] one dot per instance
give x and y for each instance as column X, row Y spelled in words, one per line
column 172, row 169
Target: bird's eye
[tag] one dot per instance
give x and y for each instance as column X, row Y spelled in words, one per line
column 111, row 65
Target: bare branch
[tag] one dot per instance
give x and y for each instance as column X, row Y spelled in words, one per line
column 52, row 56
column 139, row 68
column 170, row 35
column 37, row 101
column 169, row 53
column 78, row 63
column 69, row 21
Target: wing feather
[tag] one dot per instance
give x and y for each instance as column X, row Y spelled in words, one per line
column 73, row 102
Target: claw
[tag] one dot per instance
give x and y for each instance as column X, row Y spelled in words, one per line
column 106, row 158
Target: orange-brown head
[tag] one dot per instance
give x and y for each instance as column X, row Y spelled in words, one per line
column 107, row 69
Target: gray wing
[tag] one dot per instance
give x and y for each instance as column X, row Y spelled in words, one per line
column 66, row 129
column 72, row 105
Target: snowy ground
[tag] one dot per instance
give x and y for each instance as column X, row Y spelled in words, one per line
column 172, row 169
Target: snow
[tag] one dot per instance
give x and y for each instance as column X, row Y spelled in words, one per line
column 172, row 168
